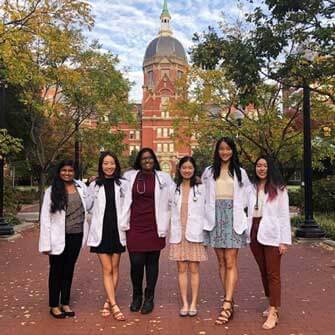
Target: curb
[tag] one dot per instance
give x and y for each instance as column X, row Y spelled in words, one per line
column 10, row 237
column 24, row 226
column 18, row 229
column 329, row 243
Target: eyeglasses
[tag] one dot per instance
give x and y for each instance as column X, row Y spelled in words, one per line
column 149, row 159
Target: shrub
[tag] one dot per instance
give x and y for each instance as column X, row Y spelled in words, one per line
column 12, row 220
column 26, row 196
column 327, row 223
column 323, row 195
column 11, row 202
column 296, row 197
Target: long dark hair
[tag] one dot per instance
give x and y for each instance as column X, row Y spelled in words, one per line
column 179, row 179
column 234, row 164
column 117, row 173
column 274, row 179
column 137, row 164
column 58, row 192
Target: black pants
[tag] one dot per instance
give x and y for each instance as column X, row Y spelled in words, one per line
column 139, row 261
column 61, row 270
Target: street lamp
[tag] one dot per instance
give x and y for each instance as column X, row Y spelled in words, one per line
column 309, row 228
column 5, row 229
column 77, row 149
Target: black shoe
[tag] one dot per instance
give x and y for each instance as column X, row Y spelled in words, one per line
column 136, row 304
column 57, row 316
column 70, row 314
column 148, row 306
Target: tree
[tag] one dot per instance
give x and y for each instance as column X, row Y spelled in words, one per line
column 100, row 139
column 9, row 144
column 258, row 68
column 24, row 18
column 272, row 43
column 211, row 109
column 62, row 81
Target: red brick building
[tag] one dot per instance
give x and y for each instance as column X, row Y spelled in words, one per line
column 164, row 62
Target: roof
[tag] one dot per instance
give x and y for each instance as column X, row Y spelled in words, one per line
column 165, row 46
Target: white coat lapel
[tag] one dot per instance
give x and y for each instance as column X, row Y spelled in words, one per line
column 102, row 198
column 157, row 188
column 179, row 196
column 117, row 195
column 82, row 197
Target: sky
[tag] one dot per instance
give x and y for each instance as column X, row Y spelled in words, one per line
column 126, row 27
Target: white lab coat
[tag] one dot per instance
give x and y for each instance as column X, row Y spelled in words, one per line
column 275, row 226
column 239, row 217
column 52, row 225
column 162, row 192
column 196, row 214
column 96, row 204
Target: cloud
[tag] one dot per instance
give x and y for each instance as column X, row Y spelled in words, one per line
column 125, row 27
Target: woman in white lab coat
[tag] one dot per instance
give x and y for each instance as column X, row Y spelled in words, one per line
column 146, row 221
column 226, row 183
column 186, row 231
column 63, row 231
column 105, row 198
column 269, row 230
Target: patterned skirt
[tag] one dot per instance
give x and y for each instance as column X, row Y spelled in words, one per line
column 186, row 251
column 223, row 235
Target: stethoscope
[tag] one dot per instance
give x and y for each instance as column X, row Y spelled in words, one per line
column 141, row 179
column 195, row 193
column 256, row 207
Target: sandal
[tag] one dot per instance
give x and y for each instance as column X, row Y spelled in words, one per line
column 106, row 310
column 117, row 315
column 268, row 325
column 226, row 314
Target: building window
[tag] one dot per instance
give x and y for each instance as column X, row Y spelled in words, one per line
column 159, row 147
column 133, row 148
column 150, row 78
column 171, row 147
column 179, row 74
column 159, row 132
column 131, row 134
column 165, row 114
column 137, row 134
column 165, row 132
column 165, row 147
column 171, row 131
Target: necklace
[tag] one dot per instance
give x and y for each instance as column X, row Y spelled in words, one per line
column 140, row 179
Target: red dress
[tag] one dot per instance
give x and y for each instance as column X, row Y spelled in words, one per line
column 142, row 235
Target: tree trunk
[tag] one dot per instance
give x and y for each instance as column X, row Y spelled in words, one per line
column 41, row 187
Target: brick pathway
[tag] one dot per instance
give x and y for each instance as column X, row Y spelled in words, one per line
column 308, row 296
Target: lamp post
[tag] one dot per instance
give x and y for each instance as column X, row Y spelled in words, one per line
column 77, row 165
column 5, row 229
column 309, row 228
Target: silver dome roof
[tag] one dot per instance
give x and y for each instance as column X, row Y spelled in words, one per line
column 165, row 46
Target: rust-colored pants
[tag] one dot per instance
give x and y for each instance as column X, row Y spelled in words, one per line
column 268, row 260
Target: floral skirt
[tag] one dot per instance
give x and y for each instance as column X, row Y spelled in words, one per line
column 223, row 235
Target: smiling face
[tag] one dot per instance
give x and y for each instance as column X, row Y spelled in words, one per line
column 187, row 170
column 66, row 173
column 225, row 152
column 147, row 161
column 108, row 166
column 262, row 169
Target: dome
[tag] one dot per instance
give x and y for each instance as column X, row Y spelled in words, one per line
column 165, row 46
